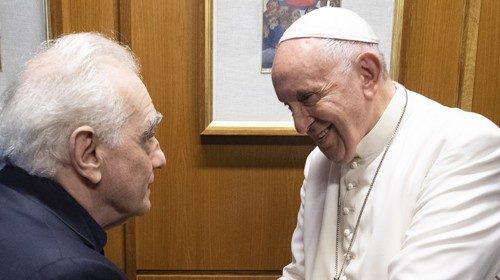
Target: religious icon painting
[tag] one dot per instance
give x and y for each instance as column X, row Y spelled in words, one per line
column 277, row 16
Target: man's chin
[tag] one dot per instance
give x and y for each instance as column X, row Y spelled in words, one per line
column 334, row 155
column 147, row 207
column 328, row 155
column 144, row 209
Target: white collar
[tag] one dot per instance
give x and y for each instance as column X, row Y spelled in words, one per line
column 381, row 133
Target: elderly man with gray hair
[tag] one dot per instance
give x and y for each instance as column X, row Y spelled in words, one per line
column 399, row 186
column 77, row 154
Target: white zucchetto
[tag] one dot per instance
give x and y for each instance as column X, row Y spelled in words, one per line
column 333, row 23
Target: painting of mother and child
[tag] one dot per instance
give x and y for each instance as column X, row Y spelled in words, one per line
column 278, row 15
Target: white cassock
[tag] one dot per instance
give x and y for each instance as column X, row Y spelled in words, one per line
column 434, row 210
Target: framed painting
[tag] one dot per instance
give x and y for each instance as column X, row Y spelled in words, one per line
column 277, row 16
column 240, row 41
column 48, row 23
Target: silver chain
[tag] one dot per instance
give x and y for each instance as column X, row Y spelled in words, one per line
column 348, row 253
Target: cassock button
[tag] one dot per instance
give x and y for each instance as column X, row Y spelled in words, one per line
column 354, row 165
column 346, row 210
column 350, row 186
column 343, row 277
column 349, row 256
column 347, row 232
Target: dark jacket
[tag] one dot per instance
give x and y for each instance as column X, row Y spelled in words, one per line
column 46, row 234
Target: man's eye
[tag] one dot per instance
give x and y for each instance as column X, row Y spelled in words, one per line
column 305, row 98
column 151, row 135
column 148, row 136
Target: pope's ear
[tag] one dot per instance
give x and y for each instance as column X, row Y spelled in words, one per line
column 83, row 145
column 370, row 69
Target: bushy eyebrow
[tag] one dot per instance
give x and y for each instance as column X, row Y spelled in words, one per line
column 153, row 122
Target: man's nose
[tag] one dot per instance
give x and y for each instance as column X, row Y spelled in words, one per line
column 158, row 157
column 302, row 120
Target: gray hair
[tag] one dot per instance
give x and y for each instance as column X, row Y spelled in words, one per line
column 346, row 52
column 66, row 85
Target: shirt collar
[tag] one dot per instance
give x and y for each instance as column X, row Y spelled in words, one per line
column 381, row 133
column 53, row 197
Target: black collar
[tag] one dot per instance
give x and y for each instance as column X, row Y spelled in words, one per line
column 54, row 198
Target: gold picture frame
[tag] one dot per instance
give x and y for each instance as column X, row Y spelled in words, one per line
column 48, row 23
column 209, row 126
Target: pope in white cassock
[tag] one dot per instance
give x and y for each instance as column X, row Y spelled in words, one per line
column 399, row 186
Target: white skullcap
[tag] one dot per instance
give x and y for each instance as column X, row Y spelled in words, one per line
column 333, row 23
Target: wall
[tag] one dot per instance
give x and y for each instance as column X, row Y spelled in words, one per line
column 451, row 53
column 486, row 77
column 22, row 29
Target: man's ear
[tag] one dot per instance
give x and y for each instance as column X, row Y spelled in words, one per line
column 370, row 68
column 82, row 150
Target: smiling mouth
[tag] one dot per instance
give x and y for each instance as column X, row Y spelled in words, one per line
column 323, row 133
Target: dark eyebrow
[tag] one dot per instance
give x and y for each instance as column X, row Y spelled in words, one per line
column 153, row 122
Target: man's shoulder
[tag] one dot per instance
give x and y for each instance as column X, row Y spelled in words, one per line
column 32, row 238
column 433, row 120
column 78, row 268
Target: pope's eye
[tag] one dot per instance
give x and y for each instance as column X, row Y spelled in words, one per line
column 305, row 98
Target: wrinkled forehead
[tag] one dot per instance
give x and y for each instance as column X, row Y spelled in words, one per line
column 128, row 84
column 296, row 55
column 132, row 92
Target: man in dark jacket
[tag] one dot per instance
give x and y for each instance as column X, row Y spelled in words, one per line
column 77, row 154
